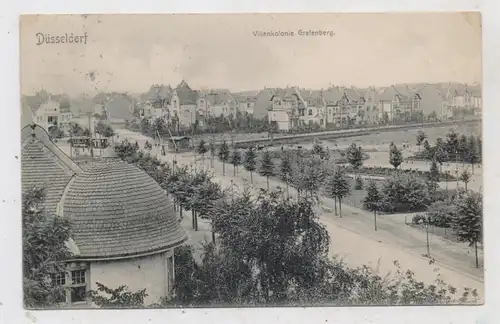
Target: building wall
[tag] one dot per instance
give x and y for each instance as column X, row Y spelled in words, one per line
column 281, row 118
column 50, row 111
column 149, row 272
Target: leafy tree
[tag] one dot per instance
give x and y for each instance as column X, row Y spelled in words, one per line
column 452, row 141
column 465, row 176
column 372, row 200
column 286, row 171
column 440, row 155
column 404, row 192
column 441, row 213
column 318, row 149
column 462, row 148
column 355, row 156
column 44, row 250
column 213, row 153
column 432, row 116
column 395, row 156
column 284, row 236
column 312, row 175
column 235, row 160
column 266, row 168
column 421, row 136
column 469, row 220
column 337, row 186
column 479, row 145
column 434, row 172
column 202, row 149
column 224, row 156
column 104, row 129
column 145, row 127
column 76, row 129
column 118, row 298
column 250, row 162
column 428, row 150
column 472, row 152
column 56, row 132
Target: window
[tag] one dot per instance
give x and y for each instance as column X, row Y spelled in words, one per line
column 78, row 286
column 52, row 120
column 310, row 112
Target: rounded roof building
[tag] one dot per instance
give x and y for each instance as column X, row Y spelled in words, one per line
column 117, row 210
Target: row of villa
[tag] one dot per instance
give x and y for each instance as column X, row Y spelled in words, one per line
column 289, row 107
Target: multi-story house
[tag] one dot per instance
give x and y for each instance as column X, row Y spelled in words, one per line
column 156, row 102
column 286, row 109
column 399, row 104
column 183, row 103
column 262, row 104
column 246, row 102
column 314, row 113
column 371, row 108
column 343, row 107
column 221, row 103
column 51, row 113
column 461, row 100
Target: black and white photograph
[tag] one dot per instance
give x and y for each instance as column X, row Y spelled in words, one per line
column 251, row 160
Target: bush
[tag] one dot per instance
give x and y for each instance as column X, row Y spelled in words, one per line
column 441, row 213
column 404, row 193
column 417, row 219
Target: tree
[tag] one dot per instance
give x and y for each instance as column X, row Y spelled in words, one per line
column 428, row 150
column 434, row 172
column 104, row 130
column 148, row 146
column 337, row 186
column 44, row 251
column 462, row 148
column 285, row 237
column 440, row 155
column 355, row 156
column 452, row 141
column 118, row 298
column 372, row 200
column 469, row 219
column 286, row 170
column 472, row 152
column 404, row 192
column 465, row 176
column 395, row 156
column 235, row 160
column 202, row 149
column 213, row 153
column 266, row 168
column 55, row 132
column 421, row 136
column 358, row 183
column 250, row 162
column 224, row 156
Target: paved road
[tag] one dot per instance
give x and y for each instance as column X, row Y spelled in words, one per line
column 354, row 239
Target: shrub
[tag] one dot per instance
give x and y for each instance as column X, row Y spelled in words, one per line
column 417, row 219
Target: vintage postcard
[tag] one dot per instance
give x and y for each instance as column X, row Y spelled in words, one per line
column 245, row 160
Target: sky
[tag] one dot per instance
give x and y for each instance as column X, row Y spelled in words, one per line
column 129, row 53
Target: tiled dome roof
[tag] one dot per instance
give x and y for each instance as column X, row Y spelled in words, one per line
column 117, row 210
